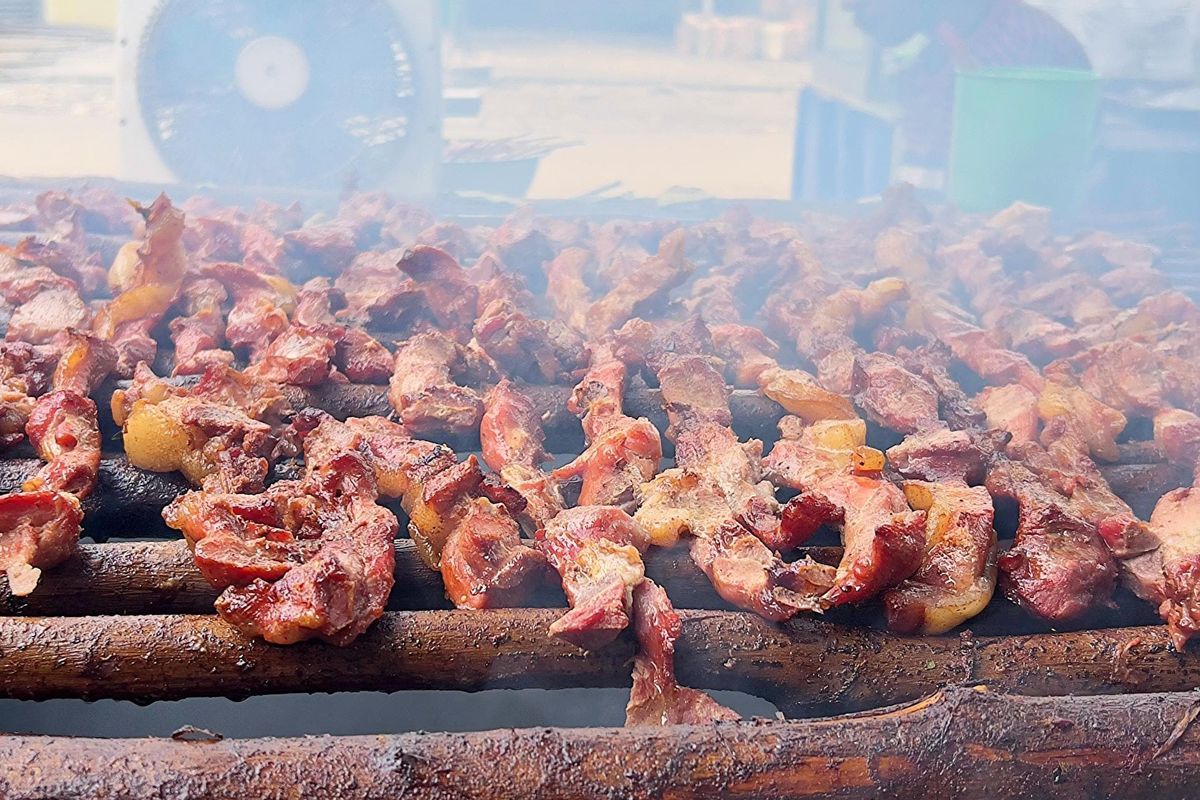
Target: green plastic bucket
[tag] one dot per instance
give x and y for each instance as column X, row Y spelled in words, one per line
column 1022, row 134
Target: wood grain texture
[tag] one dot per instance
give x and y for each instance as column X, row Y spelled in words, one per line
column 805, row 667
column 159, row 577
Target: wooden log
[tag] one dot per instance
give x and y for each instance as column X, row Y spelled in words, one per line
column 805, row 667
column 754, row 416
column 128, row 500
column 958, row 743
column 1141, row 485
column 160, row 577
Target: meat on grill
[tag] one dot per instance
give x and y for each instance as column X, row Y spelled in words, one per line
column 598, row 552
column 622, row 452
column 839, row 480
column 219, row 433
column 424, row 391
column 512, row 441
column 751, row 357
column 40, row 524
column 259, row 310
column 303, row 559
column 957, row 575
column 643, row 290
column 716, row 492
column 883, row 330
column 199, row 331
column 656, row 697
column 25, row 373
column 147, row 287
column 464, row 525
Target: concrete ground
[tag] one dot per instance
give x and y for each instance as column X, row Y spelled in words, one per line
column 637, row 114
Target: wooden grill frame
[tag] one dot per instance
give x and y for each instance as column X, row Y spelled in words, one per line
column 132, row 620
column 1081, row 713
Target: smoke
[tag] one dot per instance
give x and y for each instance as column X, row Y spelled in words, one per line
column 347, row 713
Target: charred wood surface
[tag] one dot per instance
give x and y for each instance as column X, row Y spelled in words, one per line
column 129, row 500
column 126, row 498
column 159, row 577
column 958, row 743
column 807, row 666
column 754, row 416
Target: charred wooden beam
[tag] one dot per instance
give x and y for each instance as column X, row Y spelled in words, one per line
column 754, row 416
column 128, row 500
column 806, row 666
column 161, row 578
column 957, row 743
column 1141, row 485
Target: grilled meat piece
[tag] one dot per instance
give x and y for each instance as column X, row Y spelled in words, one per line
column 745, row 572
column 378, row 293
column 975, row 347
column 24, row 374
column 484, row 563
column 199, row 334
column 622, row 452
column 218, row 433
column 512, row 439
column 64, row 431
column 523, row 346
column 1177, row 434
column 697, row 405
column 149, row 290
column 40, row 525
column 463, row 526
column 566, row 288
column 1092, row 421
column 260, row 306
column 1171, row 574
column 38, row 529
column 835, row 472
column 656, row 697
column 450, row 298
column 511, row 430
column 892, row 396
column 423, row 389
column 1059, row 566
column 941, row 455
column 46, row 314
column 598, row 552
column 304, row 559
column 957, row 575
column 315, row 250
column 716, row 492
column 300, row 355
column 1065, row 464
column 642, row 290
column 1012, row 408
column 618, row 459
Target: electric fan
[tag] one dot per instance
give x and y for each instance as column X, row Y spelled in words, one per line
column 310, row 93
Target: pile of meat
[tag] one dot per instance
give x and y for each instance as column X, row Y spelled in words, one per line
column 922, row 369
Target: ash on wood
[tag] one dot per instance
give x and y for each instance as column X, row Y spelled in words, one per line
column 955, row 744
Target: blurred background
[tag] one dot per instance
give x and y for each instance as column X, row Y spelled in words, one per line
column 808, row 100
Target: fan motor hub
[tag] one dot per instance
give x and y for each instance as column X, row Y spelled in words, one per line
column 272, row 72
